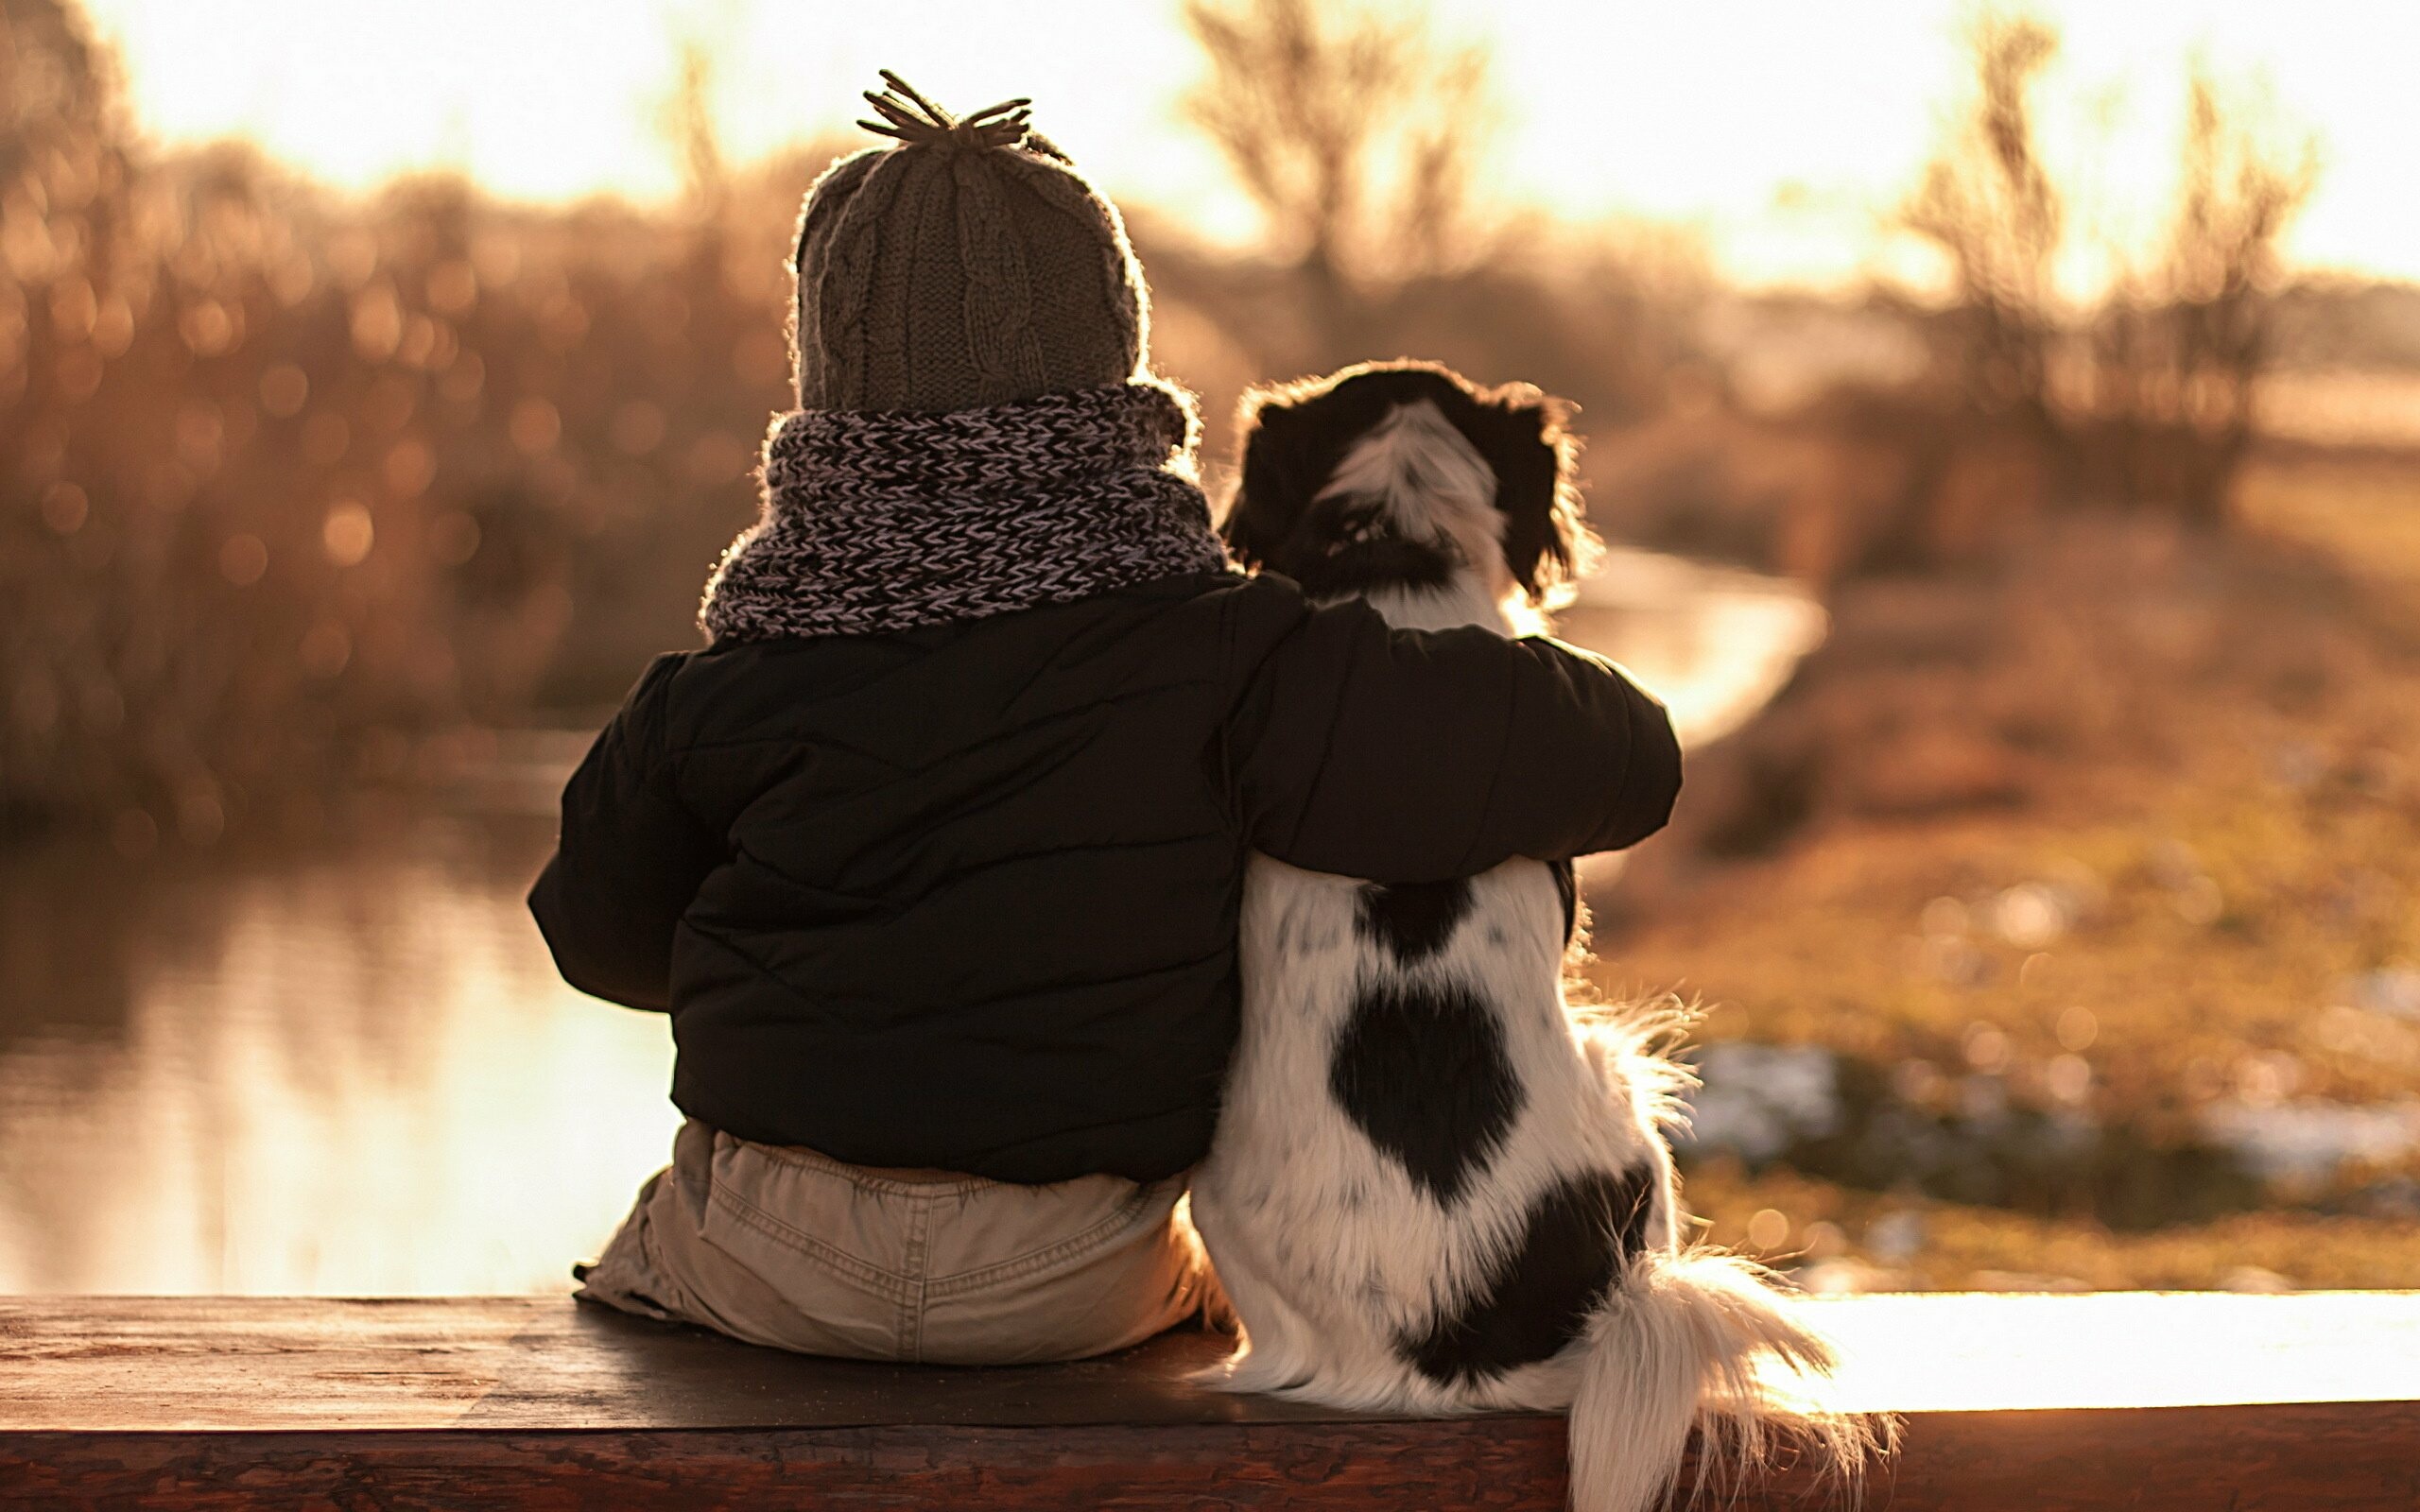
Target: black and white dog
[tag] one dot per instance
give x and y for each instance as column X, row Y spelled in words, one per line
column 1435, row 1187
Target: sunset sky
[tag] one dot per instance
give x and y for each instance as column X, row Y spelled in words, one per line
column 1776, row 127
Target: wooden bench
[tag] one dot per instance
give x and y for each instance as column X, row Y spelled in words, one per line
column 2047, row 1403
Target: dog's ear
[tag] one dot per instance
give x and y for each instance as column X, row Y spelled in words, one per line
column 1522, row 434
column 1279, row 477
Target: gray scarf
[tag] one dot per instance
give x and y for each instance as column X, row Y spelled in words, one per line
column 876, row 522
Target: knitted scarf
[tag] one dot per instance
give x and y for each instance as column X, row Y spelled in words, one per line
column 880, row 521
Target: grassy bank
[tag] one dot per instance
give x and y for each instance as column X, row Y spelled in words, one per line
column 2127, row 832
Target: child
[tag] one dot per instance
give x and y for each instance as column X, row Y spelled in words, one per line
column 934, row 853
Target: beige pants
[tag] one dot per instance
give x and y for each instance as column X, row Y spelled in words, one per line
column 786, row 1247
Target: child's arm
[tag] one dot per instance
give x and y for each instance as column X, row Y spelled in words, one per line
column 1406, row 756
column 630, row 861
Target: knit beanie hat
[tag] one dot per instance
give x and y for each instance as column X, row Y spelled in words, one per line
column 968, row 266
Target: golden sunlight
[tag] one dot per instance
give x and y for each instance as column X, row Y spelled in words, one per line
column 1972, row 1352
column 1775, row 129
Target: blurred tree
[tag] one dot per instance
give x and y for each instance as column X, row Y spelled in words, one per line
column 196, row 609
column 2143, row 400
column 289, row 482
column 72, row 294
column 1986, row 202
column 688, row 122
column 685, row 118
column 1357, row 136
column 2179, row 351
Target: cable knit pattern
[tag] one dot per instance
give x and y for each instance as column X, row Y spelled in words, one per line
column 999, row 304
column 876, row 522
column 1129, row 298
column 967, row 267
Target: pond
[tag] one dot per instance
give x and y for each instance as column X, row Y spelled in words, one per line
column 350, row 1069
column 348, row 1072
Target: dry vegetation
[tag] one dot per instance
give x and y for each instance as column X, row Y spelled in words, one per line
column 1361, row 139
column 2010, row 400
column 2123, row 832
column 2095, row 820
column 1832, row 1237
column 287, row 480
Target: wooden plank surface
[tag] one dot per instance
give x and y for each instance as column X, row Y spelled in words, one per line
column 2145, row 1402
column 133, row 1365
column 2342, row 1457
column 130, row 1363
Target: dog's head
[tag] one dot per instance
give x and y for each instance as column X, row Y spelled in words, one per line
column 1402, row 473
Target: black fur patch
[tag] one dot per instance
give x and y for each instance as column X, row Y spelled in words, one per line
column 1296, row 436
column 1353, row 569
column 1413, row 921
column 1566, row 883
column 1574, row 1241
column 1422, row 1070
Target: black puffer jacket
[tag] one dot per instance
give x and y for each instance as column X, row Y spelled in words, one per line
column 965, row 897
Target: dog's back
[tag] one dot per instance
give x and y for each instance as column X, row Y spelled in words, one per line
column 1432, row 1187
column 1419, row 1192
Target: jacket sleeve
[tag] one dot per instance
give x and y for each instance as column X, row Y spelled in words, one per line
column 1415, row 756
column 629, row 863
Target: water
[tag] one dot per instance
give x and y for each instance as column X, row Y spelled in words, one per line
column 350, row 1069
column 1714, row 642
column 347, row 1072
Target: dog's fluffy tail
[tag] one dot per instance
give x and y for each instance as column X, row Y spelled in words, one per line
column 1700, row 1340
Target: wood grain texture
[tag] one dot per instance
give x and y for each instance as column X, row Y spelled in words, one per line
column 1345, row 1465
column 533, row 1403
column 544, row 1363
column 132, row 1364
column 2347, row 1457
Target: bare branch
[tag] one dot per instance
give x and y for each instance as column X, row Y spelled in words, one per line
column 1354, row 135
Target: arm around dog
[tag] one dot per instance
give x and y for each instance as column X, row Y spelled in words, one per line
column 628, row 862
column 1413, row 756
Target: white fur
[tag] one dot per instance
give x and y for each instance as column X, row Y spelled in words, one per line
column 1435, row 488
column 1326, row 1248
